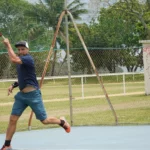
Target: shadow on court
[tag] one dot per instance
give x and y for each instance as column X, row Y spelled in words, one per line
column 83, row 138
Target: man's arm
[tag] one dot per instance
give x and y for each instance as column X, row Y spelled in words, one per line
column 14, row 85
column 12, row 56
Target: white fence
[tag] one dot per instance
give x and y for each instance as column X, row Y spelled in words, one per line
column 121, row 81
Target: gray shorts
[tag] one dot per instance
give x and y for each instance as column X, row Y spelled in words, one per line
column 32, row 99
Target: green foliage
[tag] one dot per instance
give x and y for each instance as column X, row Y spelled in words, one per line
column 11, row 18
column 47, row 13
column 117, row 28
column 120, row 26
column 17, row 25
column 7, row 70
column 40, row 59
column 138, row 11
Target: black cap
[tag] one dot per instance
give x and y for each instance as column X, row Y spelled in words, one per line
column 22, row 43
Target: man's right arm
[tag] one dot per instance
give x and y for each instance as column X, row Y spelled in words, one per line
column 14, row 85
column 12, row 56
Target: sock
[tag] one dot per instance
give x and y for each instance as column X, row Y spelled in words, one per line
column 7, row 142
column 62, row 123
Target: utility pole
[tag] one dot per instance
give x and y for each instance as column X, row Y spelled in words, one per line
column 68, row 63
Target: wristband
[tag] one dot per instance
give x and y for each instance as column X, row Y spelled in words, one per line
column 15, row 84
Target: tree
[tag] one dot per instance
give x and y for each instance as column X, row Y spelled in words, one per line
column 135, row 8
column 12, row 18
column 11, row 14
column 120, row 32
column 16, row 26
column 80, row 62
column 47, row 13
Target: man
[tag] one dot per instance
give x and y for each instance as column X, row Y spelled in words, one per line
column 29, row 94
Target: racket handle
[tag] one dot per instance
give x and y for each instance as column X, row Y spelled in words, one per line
column 2, row 35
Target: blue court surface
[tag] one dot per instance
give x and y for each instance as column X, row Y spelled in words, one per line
column 83, row 138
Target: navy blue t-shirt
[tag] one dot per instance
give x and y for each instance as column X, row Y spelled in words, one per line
column 26, row 72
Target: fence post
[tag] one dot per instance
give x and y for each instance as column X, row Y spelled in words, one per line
column 124, row 84
column 133, row 76
column 82, row 86
column 68, row 64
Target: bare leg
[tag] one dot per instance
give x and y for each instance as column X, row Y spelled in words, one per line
column 51, row 120
column 11, row 127
column 62, row 122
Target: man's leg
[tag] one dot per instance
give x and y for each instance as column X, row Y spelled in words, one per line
column 38, row 108
column 62, row 122
column 11, row 126
column 10, row 130
column 51, row 120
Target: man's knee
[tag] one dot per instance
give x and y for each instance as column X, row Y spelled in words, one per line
column 13, row 119
column 44, row 121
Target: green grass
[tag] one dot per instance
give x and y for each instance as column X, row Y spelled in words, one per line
column 133, row 109
column 130, row 109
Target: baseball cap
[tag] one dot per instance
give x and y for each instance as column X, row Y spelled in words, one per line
column 22, row 43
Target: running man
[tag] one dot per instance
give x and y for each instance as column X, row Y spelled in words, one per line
column 29, row 94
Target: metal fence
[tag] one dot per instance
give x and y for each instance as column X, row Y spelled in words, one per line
column 106, row 60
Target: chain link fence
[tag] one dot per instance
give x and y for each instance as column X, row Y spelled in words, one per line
column 106, row 60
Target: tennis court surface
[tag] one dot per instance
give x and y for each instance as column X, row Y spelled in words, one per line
column 83, row 138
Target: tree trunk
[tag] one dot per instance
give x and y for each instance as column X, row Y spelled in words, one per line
column 53, row 63
column 62, row 65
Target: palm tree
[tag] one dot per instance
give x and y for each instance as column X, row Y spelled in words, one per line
column 47, row 13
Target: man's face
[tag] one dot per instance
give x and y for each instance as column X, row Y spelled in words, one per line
column 22, row 50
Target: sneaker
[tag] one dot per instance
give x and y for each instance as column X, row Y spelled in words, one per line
column 6, row 148
column 66, row 125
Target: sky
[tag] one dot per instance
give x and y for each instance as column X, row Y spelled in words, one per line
column 33, row 1
column 88, row 5
column 93, row 7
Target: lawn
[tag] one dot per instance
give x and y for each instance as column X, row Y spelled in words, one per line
column 92, row 110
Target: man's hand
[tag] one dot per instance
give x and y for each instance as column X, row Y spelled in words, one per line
column 6, row 42
column 10, row 90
